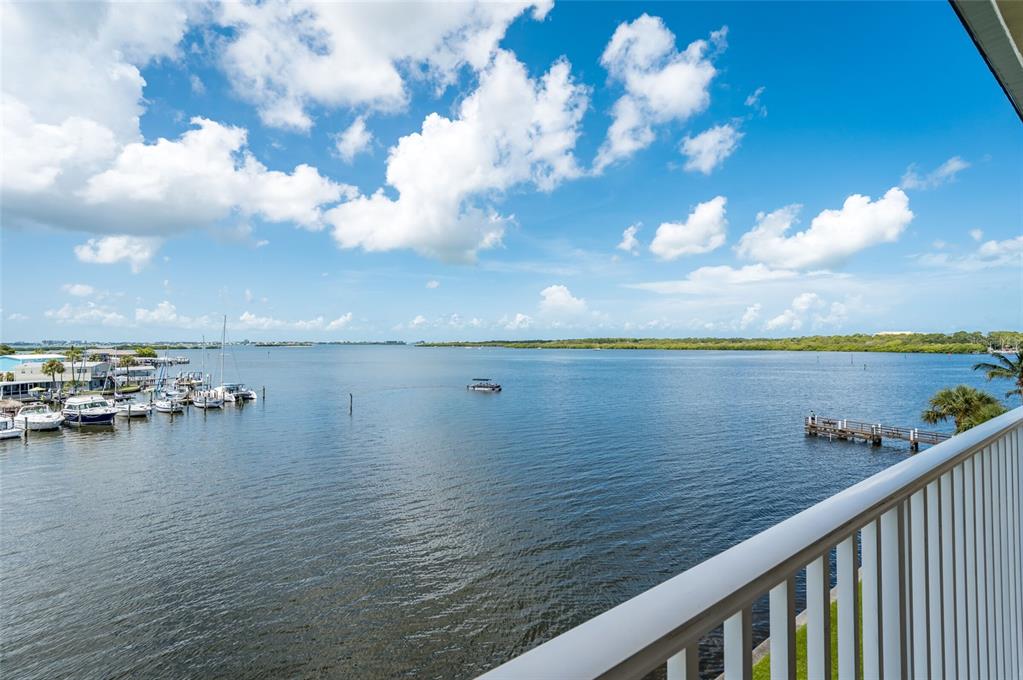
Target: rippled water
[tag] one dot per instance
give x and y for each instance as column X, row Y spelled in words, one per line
column 433, row 533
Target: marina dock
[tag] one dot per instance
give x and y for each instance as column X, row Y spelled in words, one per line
column 875, row 433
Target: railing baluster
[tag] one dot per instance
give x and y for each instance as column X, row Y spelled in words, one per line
column 686, row 664
column 893, row 603
column 918, row 584
column 989, row 568
column 783, row 630
column 934, row 585
column 870, row 542
column 739, row 645
column 983, row 652
column 972, row 522
column 1016, row 492
column 953, row 566
column 1015, row 549
column 818, row 615
column 848, row 630
column 998, row 500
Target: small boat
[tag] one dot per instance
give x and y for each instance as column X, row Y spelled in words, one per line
column 207, row 399
column 133, row 409
column 483, row 385
column 7, row 429
column 168, row 404
column 234, row 392
column 38, row 417
column 88, row 410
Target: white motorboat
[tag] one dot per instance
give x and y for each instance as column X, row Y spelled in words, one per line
column 88, row 410
column 7, row 429
column 133, row 409
column 235, row 392
column 207, row 399
column 38, row 417
column 168, row 404
column 483, row 385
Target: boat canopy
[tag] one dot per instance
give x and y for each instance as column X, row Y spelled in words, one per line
column 481, row 379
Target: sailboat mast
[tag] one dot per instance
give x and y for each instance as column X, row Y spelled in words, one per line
column 203, row 375
column 223, row 341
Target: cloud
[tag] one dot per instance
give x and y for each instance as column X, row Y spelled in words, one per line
column 433, row 283
column 519, row 322
column 753, row 101
column 557, row 300
column 261, row 243
column 197, row 85
column 988, row 255
column 250, row 321
column 86, row 313
column 287, row 57
column 976, row 234
column 418, row 322
column 78, row 289
column 711, row 279
column 340, row 323
column 661, row 84
column 135, row 250
column 16, row 316
column 166, row 314
column 512, row 130
column 834, row 235
column 792, row 318
column 750, row 315
column 203, row 177
column 810, row 307
column 944, row 173
column 629, row 242
column 702, row 232
column 353, row 140
column 710, row 148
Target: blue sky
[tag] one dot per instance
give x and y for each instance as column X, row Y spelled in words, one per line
column 472, row 171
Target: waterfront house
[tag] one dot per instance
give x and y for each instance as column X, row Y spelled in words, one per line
column 19, row 373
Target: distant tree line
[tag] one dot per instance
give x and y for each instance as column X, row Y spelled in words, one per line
column 962, row 342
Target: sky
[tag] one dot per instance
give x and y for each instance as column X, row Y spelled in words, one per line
column 335, row 172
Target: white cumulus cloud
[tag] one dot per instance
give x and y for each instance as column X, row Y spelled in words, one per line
column 340, row 323
column 750, row 315
column 86, row 313
column 511, row 130
column 518, row 322
column 558, row 300
column 629, row 242
column 702, row 232
column 710, row 148
column 137, row 251
column 713, row 279
column 166, row 314
column 433, row 283
column 833, row 236
column 286, row 56
column 354, row 140
column 661, row 83
column 78, row 289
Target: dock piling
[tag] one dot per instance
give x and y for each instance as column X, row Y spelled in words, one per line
column 874, row 433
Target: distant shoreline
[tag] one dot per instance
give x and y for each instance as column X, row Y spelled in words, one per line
column 919, row 343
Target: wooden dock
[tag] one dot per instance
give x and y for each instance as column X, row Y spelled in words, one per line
column 875, row 433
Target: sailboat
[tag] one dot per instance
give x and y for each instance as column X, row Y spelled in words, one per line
column 204, row 397
column 231, row 392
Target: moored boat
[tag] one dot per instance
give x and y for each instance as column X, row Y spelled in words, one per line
column 483, row 385
column 168, row 404
column 37, row 417
column 88, row 410
column 7, row 429
column 207, row 399
column 133, row 409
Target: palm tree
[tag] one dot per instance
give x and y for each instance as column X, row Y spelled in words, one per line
column 53, row 368
column 73, row 355
column 125, row 362
column 1005, row 368
column 966, row 406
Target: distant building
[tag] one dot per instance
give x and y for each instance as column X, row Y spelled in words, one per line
column 895, row 333
column 20, row 373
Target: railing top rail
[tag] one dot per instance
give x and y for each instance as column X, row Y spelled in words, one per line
column 639, row 634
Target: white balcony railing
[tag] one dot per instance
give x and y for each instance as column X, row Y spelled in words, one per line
column 942, row 587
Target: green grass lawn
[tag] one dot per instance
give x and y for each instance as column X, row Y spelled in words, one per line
column 762, row 669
